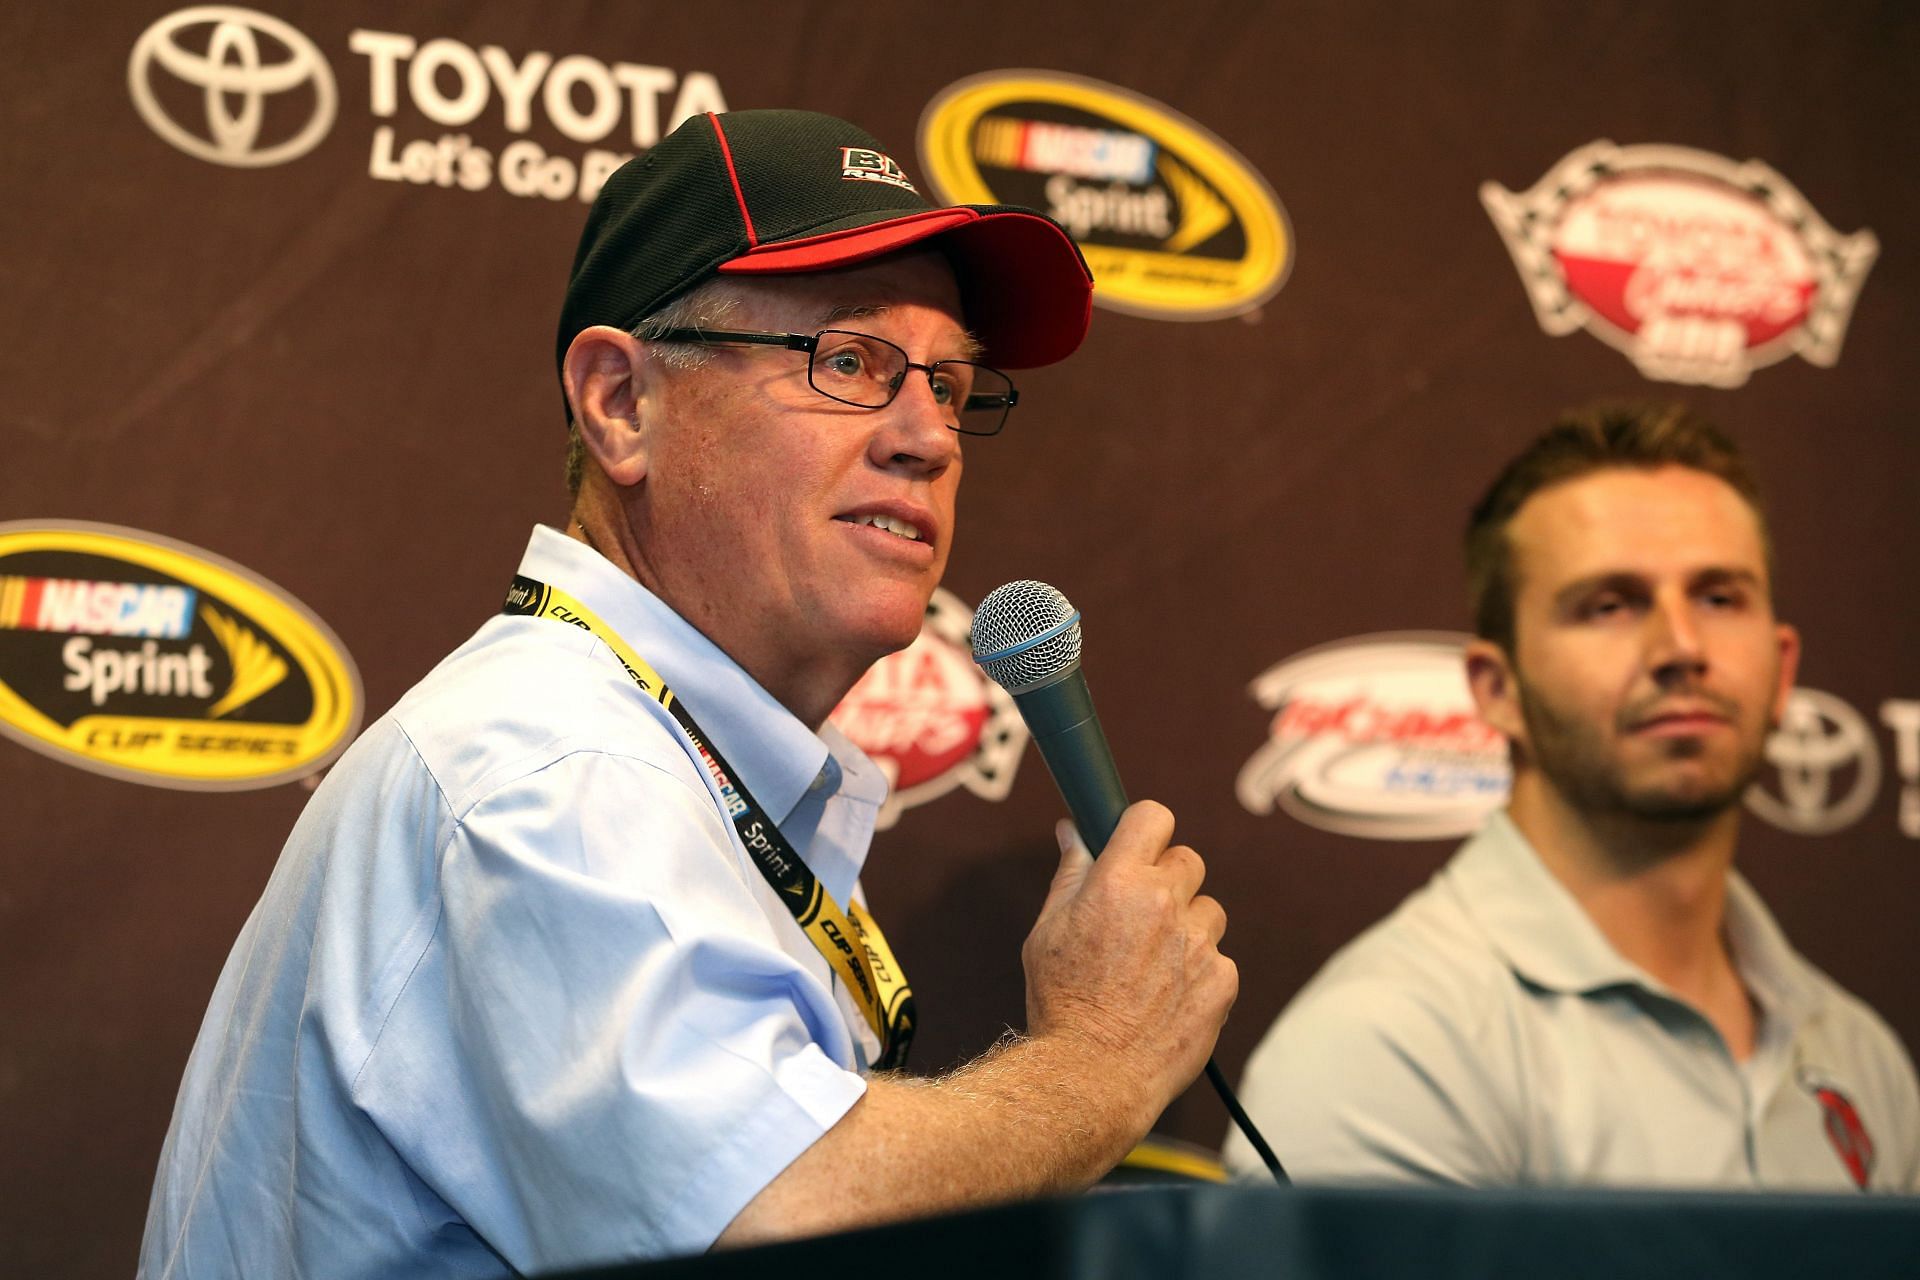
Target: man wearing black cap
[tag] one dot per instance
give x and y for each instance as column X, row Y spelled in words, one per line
column 567, row 961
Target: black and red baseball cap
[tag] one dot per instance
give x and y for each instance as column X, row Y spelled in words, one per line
column 747, row 193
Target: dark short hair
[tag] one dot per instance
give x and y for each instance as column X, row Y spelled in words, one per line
column 1598, row 437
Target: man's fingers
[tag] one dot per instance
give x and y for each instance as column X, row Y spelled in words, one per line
column 1186, row 869
column 1075, row 862
column 1141, row 835
column 1211, row 919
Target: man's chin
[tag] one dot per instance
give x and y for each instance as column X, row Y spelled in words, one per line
column 1690, row 801
column 889, row 626
column 1670, row 791
column 1680, row 810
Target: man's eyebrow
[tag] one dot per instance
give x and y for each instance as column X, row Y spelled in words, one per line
column 971, row 348
column 846, row 312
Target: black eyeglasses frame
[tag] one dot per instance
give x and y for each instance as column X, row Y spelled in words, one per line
column 695, row 336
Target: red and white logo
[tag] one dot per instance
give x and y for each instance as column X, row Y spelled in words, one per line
column 1844, row 1127
column 1699, row 268
column 931, row 720
column 1377, row 736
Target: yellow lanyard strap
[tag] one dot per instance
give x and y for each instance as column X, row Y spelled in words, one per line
column 851, row 943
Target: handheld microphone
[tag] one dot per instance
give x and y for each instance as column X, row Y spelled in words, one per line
column 1026, row 637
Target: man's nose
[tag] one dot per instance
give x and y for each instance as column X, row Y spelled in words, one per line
column 914, row 429
column 1675, row 647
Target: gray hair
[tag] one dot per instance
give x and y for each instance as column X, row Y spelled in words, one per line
column 704, row 307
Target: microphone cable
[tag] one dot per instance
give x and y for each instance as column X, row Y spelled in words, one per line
column 1245, row 1123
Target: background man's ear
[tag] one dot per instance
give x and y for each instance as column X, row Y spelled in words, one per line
column 605, row 377
column 1495, row 690
column 1788, row 638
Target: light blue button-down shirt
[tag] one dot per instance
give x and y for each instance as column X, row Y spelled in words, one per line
column 515, row 996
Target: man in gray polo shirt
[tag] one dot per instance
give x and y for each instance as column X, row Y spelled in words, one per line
column 1587, row 993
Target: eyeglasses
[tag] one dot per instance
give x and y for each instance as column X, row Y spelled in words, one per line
column 868, row 372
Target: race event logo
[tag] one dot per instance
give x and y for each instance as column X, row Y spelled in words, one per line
column 202, row 80
column 151, row 661
column 1824, row 767
column 931, row 720
column 238, row 87
column 1845, row 1129
column 1173, row 222
column 1698, row 268
column 1377, row 736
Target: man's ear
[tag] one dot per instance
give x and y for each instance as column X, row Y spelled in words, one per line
column 1495, row 690
column 605, row 375
column 1788, row 639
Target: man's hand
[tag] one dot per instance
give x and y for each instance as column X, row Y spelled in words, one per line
column 1126, row 993
column 1125, row 959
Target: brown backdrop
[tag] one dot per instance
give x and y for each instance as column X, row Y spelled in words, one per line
column 345, row 385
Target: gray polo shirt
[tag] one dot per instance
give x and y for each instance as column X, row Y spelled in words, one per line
column 1487, row 1034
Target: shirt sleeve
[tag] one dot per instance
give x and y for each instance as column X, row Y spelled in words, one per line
column 603, row 1051
column 1368, row 1080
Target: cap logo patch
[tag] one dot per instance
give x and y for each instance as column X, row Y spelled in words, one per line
column 861, row 164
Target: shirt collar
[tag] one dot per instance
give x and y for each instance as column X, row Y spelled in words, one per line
column 1544, row 935
column 1779, row 978
column 776, row 756
column 858, row 777
column 833, row 823
column 1531, row 919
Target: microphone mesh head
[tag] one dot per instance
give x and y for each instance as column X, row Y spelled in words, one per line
column 1017, row 614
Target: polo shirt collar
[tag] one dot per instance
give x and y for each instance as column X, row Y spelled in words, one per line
column 776, row 756
column 1530, row 918
column 1777, row 975
column 1545, row 936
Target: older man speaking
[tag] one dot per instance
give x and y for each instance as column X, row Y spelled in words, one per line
column 567, row 959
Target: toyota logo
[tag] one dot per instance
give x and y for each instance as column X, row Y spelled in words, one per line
column 1820, row 741
column 236, row 82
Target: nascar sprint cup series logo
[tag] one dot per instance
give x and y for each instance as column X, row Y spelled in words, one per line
column 1699, row 269
column 1172, row 221
column 232, row 86
column 151, row 661
column 1377, row 736
column 931, row 720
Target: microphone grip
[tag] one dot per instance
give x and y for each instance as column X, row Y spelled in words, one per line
column 1064, row 726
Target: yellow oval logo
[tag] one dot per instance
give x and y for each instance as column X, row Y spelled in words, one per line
column 1174, row 223
column 152, row 661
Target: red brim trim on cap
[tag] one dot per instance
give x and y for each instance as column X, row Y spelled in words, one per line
column 844, row 248
column 1026, row 290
